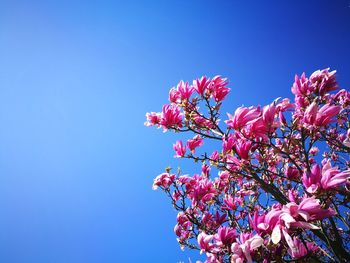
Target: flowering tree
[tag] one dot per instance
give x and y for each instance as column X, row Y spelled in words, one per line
column 277, row 187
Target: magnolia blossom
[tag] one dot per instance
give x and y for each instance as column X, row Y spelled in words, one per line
column 301, row 85
column 192, row 144
column 279, row 221
column 225, row 236
column 260, row 192
column 244, row 247
column 185, row 90
column 242, row 117
column 171, row 117
column 153, row 118
column 164, row 180
column 218, row 89
column 200, row 85
column 204, row 242
column 323, row 81
column 326, row 178
column 322, row 116
column 180, row 149
column 299, row 248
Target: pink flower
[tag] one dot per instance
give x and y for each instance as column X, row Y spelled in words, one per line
column 214, row 156
column 322, row 116
column 200, row 190
column 311, row 113
column 242, row 117
column 203, row 241
column 312, row 180
column 310, row 209
column 299, row 248
column 291, row 172
column 185, row 90
column 218, row 88
column 230, row 203
column 228, row 142
column 152, row 118
column 256, row 220
column 163, row 180
column 200, row 85
column 233, row 163
column 258, row 129
column 180, row 149
column 268, row 114
column 324, row 81
column 171, row 117
column 301, row 86
column 205, row 169
column 225, row 236
column 174, row 95
column 290, row 216
column 325, row 114
column 332, row 177
column 242, row 148
column 245, row 247
column 284, row 105
column 192, row 144
column 327, row 178
column 201, row 121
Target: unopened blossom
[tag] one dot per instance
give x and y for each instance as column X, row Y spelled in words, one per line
column 268, row 115
column 214, row 156
column 205, row 169
column 291, row 172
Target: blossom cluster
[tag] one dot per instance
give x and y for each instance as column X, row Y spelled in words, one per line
column 278, row 187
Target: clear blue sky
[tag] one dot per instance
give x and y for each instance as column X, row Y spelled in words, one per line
column 76, row 78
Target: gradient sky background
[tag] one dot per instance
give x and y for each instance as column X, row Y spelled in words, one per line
column 76, row 78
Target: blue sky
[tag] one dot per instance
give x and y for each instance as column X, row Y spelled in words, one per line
column 76, row 78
